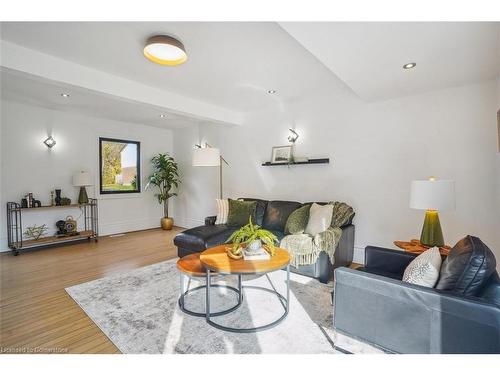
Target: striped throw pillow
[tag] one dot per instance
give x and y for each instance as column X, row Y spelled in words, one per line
column 222, row 211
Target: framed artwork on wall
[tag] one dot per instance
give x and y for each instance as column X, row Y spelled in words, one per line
column 281, row 154
column 119, row 166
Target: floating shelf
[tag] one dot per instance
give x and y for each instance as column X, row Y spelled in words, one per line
column 310, row 161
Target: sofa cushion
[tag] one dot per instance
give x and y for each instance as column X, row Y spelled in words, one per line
column 260, row 210
column 277, row 213
column 240, row 212
column 202, row 237
column 424, row 269
column 491, row 292
column 297, row 221
column 342, row 214
column 467, row 268
column 320, row 218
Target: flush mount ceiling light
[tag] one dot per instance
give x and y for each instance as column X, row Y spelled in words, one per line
column 50, row 142
column 64, row 95
column 165, row 50
column 163, row 115
column 271, row 91
column 409, row 65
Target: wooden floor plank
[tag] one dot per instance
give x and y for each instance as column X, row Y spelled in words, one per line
column 35, row 310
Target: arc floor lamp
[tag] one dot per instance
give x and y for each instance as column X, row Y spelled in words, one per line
column 209, row 156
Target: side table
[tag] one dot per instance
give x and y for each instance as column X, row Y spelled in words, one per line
column 414, row 246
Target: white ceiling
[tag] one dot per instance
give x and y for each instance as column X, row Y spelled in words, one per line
column 230, row 64
column 368, row 56
column 233, row 64
column 20, row 87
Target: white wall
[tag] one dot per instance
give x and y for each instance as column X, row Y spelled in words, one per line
column 375, row 149
column 27, row 165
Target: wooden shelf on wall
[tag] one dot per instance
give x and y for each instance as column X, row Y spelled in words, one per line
column 310, row 161
column 76, row 205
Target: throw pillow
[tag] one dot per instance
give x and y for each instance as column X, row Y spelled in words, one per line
column 342, row 214
column 240, row 212
column 424, row 269
column 467, row 267
column 222, row 211
column 297, row 221
column 320, row 218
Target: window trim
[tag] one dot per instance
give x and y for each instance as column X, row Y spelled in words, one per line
column 137, row 190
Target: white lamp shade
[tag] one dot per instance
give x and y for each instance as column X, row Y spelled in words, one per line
column 82, row 178
column 433, row 195
column 206, row 157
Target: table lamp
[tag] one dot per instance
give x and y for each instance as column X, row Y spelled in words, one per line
column 82, row 179
column 432, row 195
column 209, row 156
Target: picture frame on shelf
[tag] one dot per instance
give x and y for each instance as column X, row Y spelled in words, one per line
column 281, row 154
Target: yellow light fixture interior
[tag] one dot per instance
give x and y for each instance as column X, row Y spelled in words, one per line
column 165, row 50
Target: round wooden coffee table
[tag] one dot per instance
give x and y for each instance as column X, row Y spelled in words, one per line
column 190, row 266
column 216, row 260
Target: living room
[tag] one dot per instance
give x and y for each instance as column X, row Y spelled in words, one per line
column 277, row 187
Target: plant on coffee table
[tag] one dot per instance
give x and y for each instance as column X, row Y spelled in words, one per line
column 249, row 233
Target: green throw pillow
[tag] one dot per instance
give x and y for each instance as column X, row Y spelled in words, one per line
column 342, row 214
column 240, row 212
column 297, row 221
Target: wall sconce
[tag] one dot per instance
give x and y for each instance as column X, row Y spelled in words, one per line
column 50, row 142
column 292, row 138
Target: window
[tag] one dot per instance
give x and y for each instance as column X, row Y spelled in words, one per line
column 119, row 166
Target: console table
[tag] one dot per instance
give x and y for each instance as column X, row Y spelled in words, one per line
column 15, row 225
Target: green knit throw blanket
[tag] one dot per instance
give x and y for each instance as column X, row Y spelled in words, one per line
column 305, row 249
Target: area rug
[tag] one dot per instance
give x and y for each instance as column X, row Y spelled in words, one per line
column 138, row 311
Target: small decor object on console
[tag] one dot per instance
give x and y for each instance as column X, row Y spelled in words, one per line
column 65, row 201
column 58, row 197
column 70, row 226
column 424, row 269
column 249, row 239
column 35, row 231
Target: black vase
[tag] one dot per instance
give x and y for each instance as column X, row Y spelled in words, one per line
column 58, row 197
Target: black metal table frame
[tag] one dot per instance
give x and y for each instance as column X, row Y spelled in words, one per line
column 188, row 291
column 284, row 301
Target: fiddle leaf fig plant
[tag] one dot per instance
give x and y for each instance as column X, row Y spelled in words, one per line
column 165, row 177
column 251, row 232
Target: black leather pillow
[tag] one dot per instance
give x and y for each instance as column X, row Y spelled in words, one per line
column 467, row 268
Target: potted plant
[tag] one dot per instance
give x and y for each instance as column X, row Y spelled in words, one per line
column 251, row 237
column 165, row 177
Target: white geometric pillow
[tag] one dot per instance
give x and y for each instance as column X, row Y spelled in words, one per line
column 424, row 269
column 222, row 211
column 320, row 218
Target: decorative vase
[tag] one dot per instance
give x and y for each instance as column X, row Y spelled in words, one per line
column 167, row 223
column 58, row 197
column 254, row 246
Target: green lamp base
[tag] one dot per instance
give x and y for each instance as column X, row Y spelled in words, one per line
column 83, row 198
column 432, row 234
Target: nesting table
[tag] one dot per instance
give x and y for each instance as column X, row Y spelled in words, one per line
column 214, row 261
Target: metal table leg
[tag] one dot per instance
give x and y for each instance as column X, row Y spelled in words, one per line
column 286, row 306
column 186, row 291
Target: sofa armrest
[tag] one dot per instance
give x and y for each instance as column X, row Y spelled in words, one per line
column 387, row 260
column 408, row 318
column 210, row 220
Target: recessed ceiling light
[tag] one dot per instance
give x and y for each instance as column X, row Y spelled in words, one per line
column 64, row 95
column 165, row 50
column 163, row 116
column 409, row 65
column 271, row 91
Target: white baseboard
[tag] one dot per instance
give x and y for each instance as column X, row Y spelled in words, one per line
column 359, row 255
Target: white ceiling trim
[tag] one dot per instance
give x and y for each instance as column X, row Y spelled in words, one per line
column 46, row 66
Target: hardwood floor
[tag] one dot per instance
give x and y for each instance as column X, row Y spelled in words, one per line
column 36, row 313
